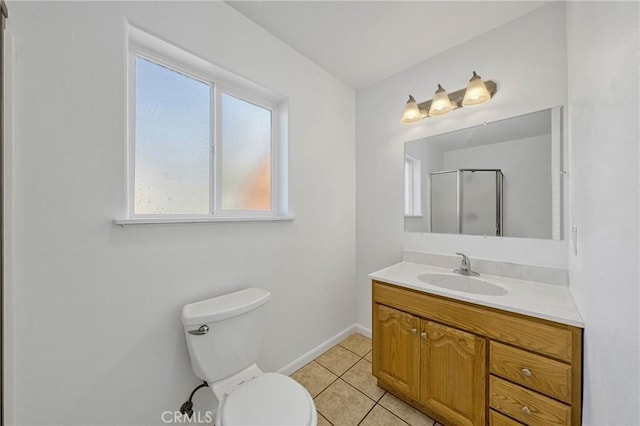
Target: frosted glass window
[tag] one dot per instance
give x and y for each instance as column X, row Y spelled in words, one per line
column 246, row 155
column 408, row 187
column 172, row 142
column 412, row 186
column 198, row 150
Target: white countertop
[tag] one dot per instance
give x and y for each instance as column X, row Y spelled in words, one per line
column 546, row 301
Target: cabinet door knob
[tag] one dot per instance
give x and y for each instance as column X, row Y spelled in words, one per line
column 423, row 334
column 526, row 372
column 526, row 410
column 414, row 330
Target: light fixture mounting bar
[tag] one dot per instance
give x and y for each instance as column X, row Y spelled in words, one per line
column 456, row 97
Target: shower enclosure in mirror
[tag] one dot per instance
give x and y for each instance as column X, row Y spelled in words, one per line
column 497, row 179
column 466, row 201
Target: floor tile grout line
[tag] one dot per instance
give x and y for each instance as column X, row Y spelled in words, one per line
column 381, row 396
column 340, row 377
column 367, row 413
column 350, row 350
column 350, row 385
column 355, row 353
column 336, row 377
column 375, row 401
column 329, row 421
column 368, row 397
column 333, row 372
column 394, row 414
column 317, row 362
column 326, row 387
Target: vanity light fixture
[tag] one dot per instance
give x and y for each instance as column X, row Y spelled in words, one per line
column 476, row 93
column 441, row 104
column 411, row 111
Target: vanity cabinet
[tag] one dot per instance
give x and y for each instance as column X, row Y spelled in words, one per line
column 439, row 366
column 397, row 356
column 465, row 364
column 452, row 373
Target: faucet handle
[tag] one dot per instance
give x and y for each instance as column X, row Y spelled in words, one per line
column 465, row 259
column 465, row 267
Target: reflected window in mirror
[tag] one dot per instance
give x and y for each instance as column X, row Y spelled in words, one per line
column 412, row 186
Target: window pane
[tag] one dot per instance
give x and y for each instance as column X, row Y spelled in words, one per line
column 172, row 142
column 246, row 155
column 408, row 187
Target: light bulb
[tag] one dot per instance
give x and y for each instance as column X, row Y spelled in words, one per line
column 440, row 104
column 476, row 92
column 411, row 112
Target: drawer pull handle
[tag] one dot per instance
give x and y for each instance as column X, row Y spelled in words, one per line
column 414, row 330
column 423, row 334
column 526, row 372
column 526, row 410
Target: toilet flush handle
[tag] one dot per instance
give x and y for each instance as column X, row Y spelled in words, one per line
column 204, row 329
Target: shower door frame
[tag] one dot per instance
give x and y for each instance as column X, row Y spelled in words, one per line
column 4, row 14
column 460, row 193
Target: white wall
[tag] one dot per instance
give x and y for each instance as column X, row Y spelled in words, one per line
column 98, row 338
column 603, row 124
column 527, row 59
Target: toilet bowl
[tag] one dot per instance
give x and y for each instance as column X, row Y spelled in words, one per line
column 224, row 336
column 268, row 399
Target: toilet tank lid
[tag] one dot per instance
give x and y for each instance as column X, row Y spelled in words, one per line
column 225, row 306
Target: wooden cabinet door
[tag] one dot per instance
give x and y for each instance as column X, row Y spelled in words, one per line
column 396, row 350
column 453, row 374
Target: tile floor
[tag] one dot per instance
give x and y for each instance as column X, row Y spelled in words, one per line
column 346, row 393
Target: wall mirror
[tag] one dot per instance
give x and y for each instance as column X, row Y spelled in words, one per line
column 497, row 179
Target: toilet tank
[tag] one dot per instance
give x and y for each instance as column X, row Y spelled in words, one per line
column 236, row 323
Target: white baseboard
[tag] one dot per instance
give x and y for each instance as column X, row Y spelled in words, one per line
column 323, row 347
column 362, row 330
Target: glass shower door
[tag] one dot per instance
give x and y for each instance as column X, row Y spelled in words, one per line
column 444, row 202
column 467, row 201
column 480, row 202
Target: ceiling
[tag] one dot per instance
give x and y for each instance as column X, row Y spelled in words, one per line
column 362, row 42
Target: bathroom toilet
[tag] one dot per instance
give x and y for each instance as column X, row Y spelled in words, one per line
column 224, row 336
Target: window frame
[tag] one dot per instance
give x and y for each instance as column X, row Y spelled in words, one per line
column 412, row 186
column 220, row 81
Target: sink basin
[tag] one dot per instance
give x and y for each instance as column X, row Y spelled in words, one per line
column 463, row 283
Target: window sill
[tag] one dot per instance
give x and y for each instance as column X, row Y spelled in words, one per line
column 172, row 220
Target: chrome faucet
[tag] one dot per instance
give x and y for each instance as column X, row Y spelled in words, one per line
column 465, row 267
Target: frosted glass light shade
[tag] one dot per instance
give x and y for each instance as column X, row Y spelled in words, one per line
column 476, row 93
column 440, row 104
column 411, row 112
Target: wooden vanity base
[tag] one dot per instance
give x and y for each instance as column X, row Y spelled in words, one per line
column 465, row 365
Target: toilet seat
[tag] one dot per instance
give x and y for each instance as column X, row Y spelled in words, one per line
column 269, row 399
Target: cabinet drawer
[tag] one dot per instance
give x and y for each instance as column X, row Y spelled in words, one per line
column 536, row 372
column 527, row 406
column 497, row 419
